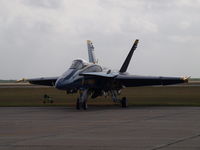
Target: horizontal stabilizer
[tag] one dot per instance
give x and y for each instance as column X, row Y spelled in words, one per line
column 128, row 58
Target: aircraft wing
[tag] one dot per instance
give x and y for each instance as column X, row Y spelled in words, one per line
column 100, row 74
column 48, row 81
column 131, row 80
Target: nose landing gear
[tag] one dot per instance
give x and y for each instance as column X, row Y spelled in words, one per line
column 82, row 100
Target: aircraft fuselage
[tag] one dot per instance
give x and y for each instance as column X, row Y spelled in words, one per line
column 71, row 79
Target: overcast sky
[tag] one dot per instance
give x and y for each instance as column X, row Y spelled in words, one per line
column 41, row 37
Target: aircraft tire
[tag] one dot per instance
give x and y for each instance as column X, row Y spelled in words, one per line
column 77, row 104
column 124, row 102
column 84, row 105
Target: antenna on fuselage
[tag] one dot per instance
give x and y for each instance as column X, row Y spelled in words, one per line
column 91, row 55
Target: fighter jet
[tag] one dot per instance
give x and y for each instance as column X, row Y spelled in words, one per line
column 90, row 79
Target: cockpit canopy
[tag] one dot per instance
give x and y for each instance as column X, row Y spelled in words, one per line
column 78, row 64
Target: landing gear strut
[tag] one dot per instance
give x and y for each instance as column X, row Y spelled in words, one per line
column 123, row 101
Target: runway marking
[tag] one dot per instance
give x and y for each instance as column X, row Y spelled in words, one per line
column 176, row 141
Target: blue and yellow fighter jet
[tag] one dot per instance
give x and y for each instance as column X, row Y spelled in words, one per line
column 91, row 79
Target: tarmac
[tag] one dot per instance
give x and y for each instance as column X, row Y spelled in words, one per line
column 101, row 128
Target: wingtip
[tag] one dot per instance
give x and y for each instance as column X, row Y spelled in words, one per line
column 21, row 80
column 186, row 79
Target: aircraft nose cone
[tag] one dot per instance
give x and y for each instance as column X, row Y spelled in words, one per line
column 59, row 84
column 62, row 84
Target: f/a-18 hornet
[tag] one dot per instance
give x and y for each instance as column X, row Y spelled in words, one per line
column 91, row 79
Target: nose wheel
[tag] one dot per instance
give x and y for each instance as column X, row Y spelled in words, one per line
column 82, row 100
column 80, row 104
column 84, row 106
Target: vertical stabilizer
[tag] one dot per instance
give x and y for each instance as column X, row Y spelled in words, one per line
column 128, row 58
column 91, row 54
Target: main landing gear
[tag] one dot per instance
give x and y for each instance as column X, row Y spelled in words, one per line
column 123, row 101
column 81, row 102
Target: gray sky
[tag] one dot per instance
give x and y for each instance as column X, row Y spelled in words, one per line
column 41, row 37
